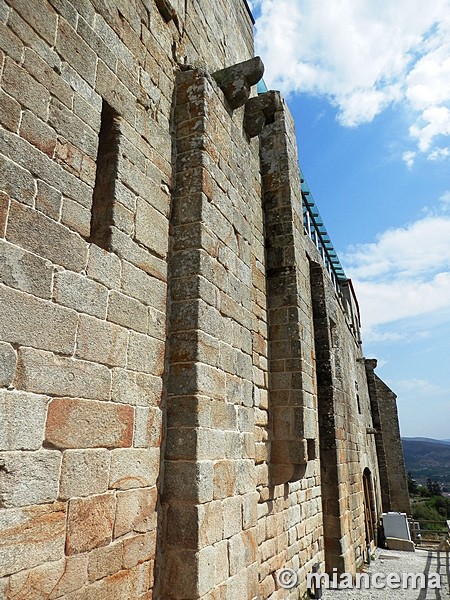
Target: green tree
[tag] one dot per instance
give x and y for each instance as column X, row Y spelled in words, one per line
column 441, row 504
column 423, row 513
column 436, row 489
column 412, row 485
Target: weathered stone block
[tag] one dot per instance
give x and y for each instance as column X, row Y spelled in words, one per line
column 120, row 99
column 136, row 511
column 242, row 551
column 145, row 354
column 142, row 286
column 260, row 110
column 189, row 481
column 250, row 510
column 187, row 379
column 76, row 52
column 139, row 548
column 23, row 420
column 51, row 580
column 103, row 50
column 8, row 360
column 41, row 17
column 105, row 561
column 28, row 35
column 18, row 83
column 134, row 468
column 152, row 228
column 193, row 346
column 49, row 171
column 80, row 293
column 34, row 322
column 25, row 271
column 194, row 444
column 38, row 133
column 138, row 389
column 76, row 217
column 195, row 526
column 28, row 477
column 232, row 516
column 148, row 427
column 43, row 72
column 4, row 209
column 90, row 523
column 48, row 200
column 72, row 128
column 128, row 312
column 31, row 536
column 127, row 249
column 59, row 244
column 100, row 341
column 9, row 112
column 44, row 373
column 83, row 473
column 225, row 478
column 10, row 43
column 17, row 182
column 103, row 267
column 75, row 423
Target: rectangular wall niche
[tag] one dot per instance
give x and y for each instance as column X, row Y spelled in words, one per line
column 105, row 177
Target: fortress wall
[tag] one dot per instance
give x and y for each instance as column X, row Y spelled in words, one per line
column 290, row 532
column 394, row 485
column 183, row 398
column 86, row 177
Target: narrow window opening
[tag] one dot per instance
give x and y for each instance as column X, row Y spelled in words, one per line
column 105, row 177
column 358, row 400
column 311, row 446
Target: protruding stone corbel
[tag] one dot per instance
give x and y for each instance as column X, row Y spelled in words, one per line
column 259, row 111
column 288, row 460
column 236, row 81
column 371, row 364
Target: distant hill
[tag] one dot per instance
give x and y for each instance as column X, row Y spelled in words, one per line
column 424, row 439
column 426, row 457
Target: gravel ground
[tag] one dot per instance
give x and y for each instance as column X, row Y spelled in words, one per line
column 391, row 561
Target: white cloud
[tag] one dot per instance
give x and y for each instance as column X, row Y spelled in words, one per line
column 422, row 246
column 439, row 154
column 364, row 56
column 415, row 384
column 437, row 119
column 445, row 200
column 409, row 157
column 404, row 274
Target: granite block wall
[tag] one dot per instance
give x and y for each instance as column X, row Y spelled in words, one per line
column 183, row 399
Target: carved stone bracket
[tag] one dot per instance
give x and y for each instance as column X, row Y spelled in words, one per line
column 259, row 111
column 289, row 459
column 236, row 81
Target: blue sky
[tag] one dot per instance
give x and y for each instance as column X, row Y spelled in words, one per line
column 368, row 84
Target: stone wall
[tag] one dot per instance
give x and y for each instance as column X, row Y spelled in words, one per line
column 394, row 487
column 184, row 405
